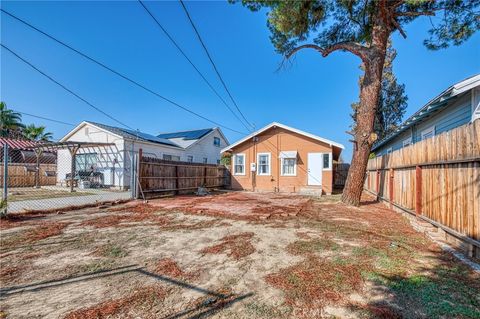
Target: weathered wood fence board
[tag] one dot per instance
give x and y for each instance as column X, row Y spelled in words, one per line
column 162, row 176
column 340, row 173
column 19, row 176
column 438, row 178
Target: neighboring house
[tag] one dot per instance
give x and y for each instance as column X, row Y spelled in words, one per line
column 282, row 158
column 456, row 106
column 114, row 162
column 21, row 151
column 201, row 146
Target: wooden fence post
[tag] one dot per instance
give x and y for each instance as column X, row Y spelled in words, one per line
column 139, row 172
column 205, row 176
column 418, row 190
column 390, row 187
column 378, row 183
column 177, row 184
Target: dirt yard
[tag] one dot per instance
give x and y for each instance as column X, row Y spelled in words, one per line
column 231, row 255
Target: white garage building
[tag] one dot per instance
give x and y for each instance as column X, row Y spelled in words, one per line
column 112, row 164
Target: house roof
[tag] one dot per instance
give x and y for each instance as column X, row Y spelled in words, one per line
column 187, row 135
column 17, row 144
column 126, row 133
column 276, row 124
column 438, row 103
column 188, row 138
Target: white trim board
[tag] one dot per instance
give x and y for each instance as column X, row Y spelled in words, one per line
column 288, row 128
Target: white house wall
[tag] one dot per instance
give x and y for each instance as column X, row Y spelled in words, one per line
column 205, row 148
column 110, row 159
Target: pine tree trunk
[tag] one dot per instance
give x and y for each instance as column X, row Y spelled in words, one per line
column 369, row 96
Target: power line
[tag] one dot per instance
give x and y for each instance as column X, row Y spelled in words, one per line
column 64, row 87
column 121, row 75
column 45, row 118
column 191, row 63
column 213, row 63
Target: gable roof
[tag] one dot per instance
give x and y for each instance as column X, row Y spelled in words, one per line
column 187, row 139
column 187, row 135
column 288, row 128
column 435, row 105
column 125, row 133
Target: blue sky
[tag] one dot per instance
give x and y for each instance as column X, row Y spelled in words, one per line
column 313, row 94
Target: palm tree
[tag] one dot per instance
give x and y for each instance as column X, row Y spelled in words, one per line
column 10, row 121
column 37, row 133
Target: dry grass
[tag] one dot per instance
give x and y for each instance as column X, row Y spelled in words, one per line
column 235, row 246
column 316, row 282
column 145, row 297
column 329, row 260
column 44, row 230
column 127, row 216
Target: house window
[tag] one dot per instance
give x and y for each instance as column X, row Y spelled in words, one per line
column 189, row 158
column 85, row 162
column 218, row 162
column 326, row 161
column 216, row 141
column 239, row 164
column 407, row 142
column 289, row 166
column 389, row 150
column 263, row 163
column 427, row 133
column 168, row 157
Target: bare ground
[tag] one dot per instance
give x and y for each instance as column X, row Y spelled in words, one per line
column 234, row 255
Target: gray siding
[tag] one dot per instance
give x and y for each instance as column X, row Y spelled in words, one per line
column 454, row 115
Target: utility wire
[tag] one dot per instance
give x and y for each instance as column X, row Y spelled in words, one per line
column 191, row 63
column 64, row 87
column 121, row 75
column 213, row 63
column 45, row 118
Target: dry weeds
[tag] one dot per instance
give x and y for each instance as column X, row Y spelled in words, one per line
column 145, row 297
column 235, row 246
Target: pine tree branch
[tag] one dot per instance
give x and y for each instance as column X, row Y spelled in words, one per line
column 352, row 47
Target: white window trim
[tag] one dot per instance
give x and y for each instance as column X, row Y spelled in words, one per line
column 406, row 142
column 389, row 150
column 219, row 141
column 294, row 167
column 269, row 164
column 244, row 166
column 330, row 162
column 428, row 130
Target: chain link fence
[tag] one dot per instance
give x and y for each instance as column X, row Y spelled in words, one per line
column 56, row 176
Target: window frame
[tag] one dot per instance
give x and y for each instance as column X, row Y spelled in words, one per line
column 86, row 160
column 389, row 150
column 205, row 160
column 177, row 157
column 294, row 166
column 190, row 158
column 426, row 131
column 215, row 138
column 234, row 157
column 330, row 164
column 269, row 156
column 409, row 141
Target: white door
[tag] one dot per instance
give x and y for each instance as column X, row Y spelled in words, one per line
column 315, row 165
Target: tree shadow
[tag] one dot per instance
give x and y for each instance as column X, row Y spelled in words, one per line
column 217, row 302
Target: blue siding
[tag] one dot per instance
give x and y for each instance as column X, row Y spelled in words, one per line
column 452, row 116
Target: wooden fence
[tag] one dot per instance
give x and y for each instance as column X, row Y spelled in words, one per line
column 340, row 173
column 23, row 175
column 158, row 176
column 437, row 179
